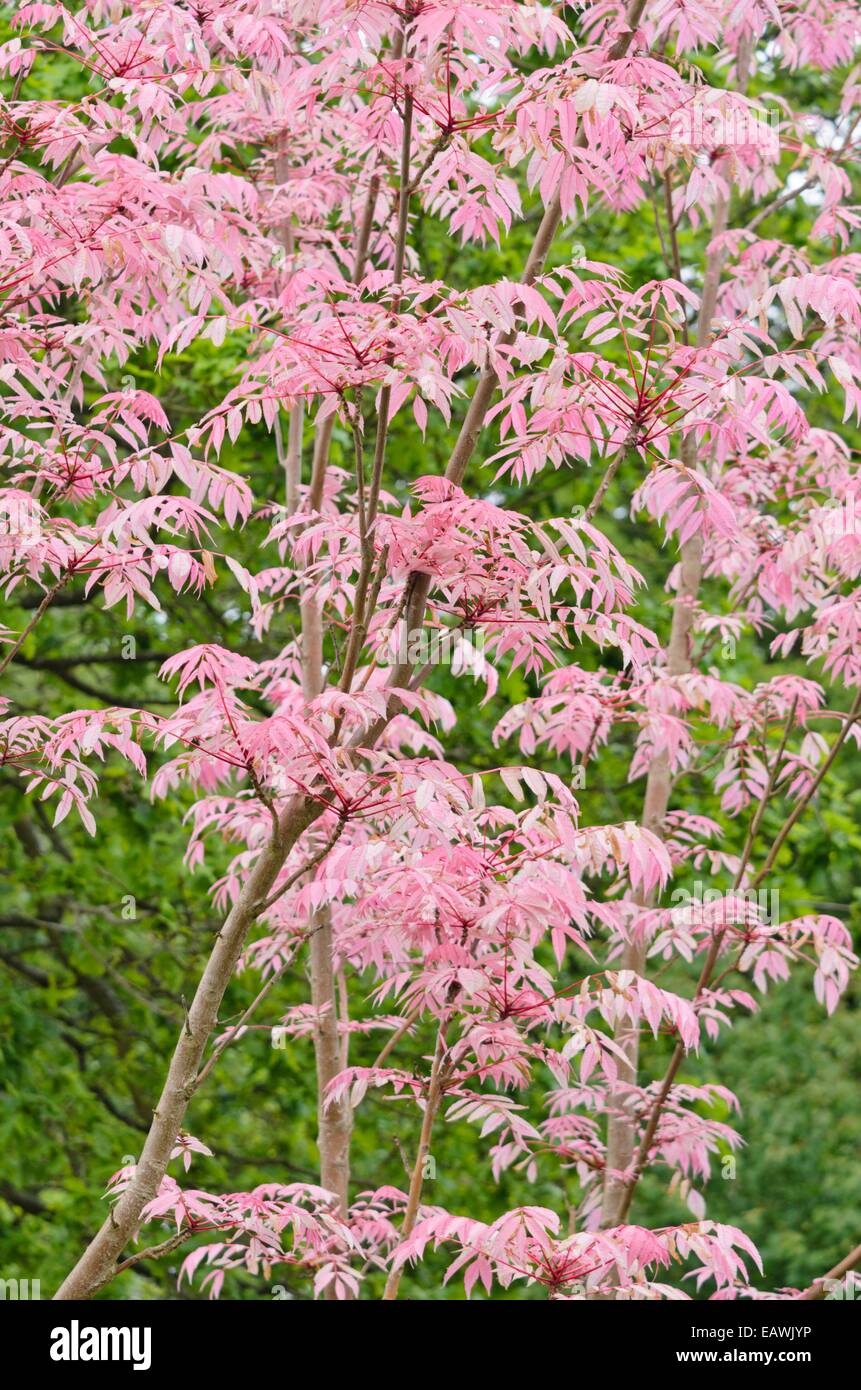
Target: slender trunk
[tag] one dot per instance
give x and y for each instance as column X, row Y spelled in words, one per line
column 434, row 1096
column 621, row 1126
column 96, row 1266
column 335, row 1121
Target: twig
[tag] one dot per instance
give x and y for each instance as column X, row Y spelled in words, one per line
column 817, row 1288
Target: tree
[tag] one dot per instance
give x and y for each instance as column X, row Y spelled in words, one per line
column 253, row 181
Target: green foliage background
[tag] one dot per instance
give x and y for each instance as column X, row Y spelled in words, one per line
column 91, row 995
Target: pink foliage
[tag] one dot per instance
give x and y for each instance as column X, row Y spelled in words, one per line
column 470, row 899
